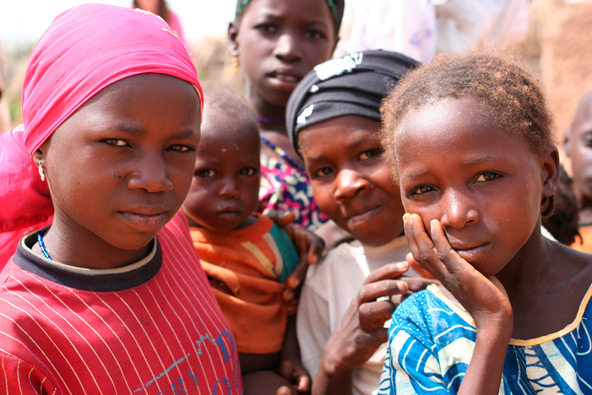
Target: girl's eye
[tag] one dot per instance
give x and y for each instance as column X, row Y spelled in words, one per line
column 322, row 172
column 115, row 142
column 248, row 171
column 266, row 27
column 370, row 154
column 180, row 148
column 488, row 176
column 316, row 34
column 422, row 190
column 205, row 173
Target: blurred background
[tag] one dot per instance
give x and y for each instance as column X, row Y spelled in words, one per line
column 556, row 45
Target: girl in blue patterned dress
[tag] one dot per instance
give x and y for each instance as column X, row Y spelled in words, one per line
column 470, row 141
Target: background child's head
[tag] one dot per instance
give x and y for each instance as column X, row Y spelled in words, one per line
column 563, row 221
column 277, row 42
column 333, row 120
column 225, row 187
column 116, row 173
column 578, row 147
column 470, row 139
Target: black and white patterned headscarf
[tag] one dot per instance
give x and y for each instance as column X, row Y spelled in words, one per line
column 354, row 84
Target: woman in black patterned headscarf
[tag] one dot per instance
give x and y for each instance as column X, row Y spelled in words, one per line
column 333, row 120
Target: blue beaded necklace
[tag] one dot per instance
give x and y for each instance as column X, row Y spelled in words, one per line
column 42, row 246
column 282, row 153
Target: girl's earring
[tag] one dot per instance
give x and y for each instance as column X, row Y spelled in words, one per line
column 41, row 171
column 234, row 62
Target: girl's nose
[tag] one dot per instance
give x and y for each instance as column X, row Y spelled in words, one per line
column 228, row 188
column 458, row 210
column 348, row 183
column 287, row 47
column 151, row 174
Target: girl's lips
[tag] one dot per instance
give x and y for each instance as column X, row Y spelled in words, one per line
column 364, row 216
column 148, row 223
column 472, row 254
column 284, row 81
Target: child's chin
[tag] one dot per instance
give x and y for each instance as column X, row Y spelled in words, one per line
column 374, row 240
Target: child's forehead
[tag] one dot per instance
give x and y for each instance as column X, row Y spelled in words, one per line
column 466, row 112
column 229, row 134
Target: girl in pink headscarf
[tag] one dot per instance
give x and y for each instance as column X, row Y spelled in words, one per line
column 110, row 298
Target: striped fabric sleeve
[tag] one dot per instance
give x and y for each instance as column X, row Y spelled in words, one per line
column 410, row 367
column 413, row 361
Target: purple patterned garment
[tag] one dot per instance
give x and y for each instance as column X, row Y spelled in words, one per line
column 285, row 188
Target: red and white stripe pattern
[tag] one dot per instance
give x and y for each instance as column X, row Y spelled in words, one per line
column 166, row 336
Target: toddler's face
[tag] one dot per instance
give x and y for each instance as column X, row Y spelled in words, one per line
column 581, row 149
column 224, row 192
column 483, row 184
column 351, row 181
column 120, row 166
column 279, row 41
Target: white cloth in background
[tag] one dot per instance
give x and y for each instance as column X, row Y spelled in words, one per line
column 465, row 24
column 406, row 26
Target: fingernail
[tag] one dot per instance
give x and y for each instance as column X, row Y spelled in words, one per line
column 402, row 265
column 433, row 224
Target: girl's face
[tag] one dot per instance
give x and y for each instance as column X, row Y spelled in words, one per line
column 351, row 181
column 278, row 42
column 225, row 187
column 483, row 184
column 120, row 166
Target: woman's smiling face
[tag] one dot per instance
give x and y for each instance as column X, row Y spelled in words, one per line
column 483, row 184
column 351, row 180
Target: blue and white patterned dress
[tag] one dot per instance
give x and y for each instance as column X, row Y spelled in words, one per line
column 431, row 341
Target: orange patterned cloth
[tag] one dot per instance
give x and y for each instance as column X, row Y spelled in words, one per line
column 246, row 269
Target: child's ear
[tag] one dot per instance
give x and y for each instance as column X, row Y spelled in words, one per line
column 39, row 156
column 550, row 171
column 567, row 142
column 231, row 36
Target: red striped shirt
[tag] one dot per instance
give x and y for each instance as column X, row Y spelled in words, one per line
column 165, row 335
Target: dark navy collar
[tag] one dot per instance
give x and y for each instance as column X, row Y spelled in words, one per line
column 92, row 280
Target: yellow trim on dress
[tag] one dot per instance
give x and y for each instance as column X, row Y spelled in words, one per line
column 434, row 289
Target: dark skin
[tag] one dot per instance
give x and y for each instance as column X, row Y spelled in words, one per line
column 473, row 221
column 222, row 198
column 361, row 330
column 578, row 147
column 353, row 186
column 277, row 42
column 118, row 171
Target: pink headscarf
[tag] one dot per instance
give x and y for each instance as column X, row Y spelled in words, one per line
column 88, row 48
column 85, row 49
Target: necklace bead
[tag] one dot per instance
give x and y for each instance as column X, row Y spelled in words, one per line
column 282, row 153
column 42, row 246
